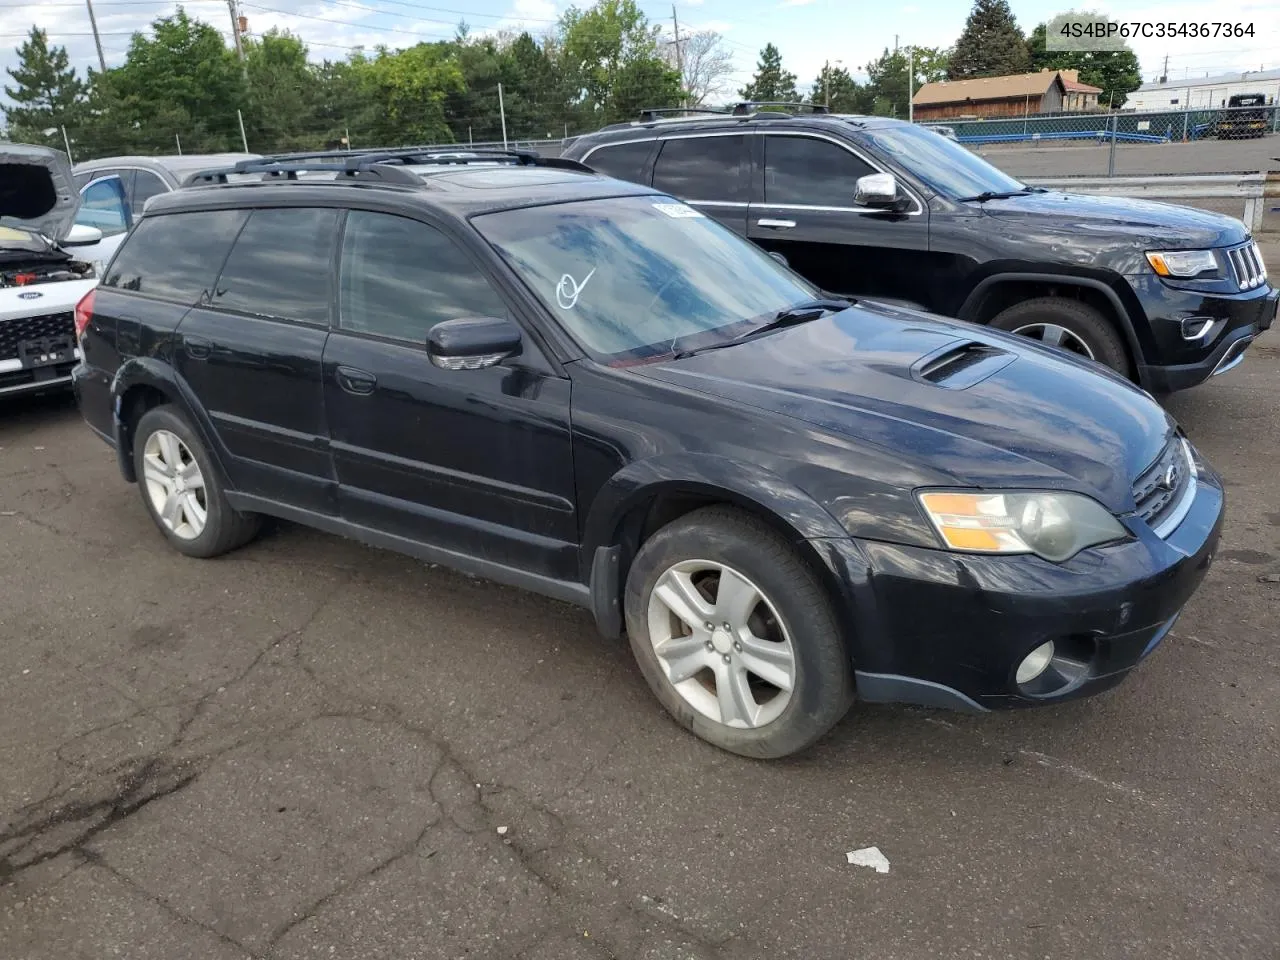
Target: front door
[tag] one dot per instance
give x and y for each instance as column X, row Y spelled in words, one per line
column 251, row 351
column 477, row 462
column 709, row 171
column 804, row 209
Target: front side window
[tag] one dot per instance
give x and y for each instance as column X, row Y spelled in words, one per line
column 702, row 168
column 175, row 256
column 943, row 165
column 103, row 205
column 811, row 172
column 626, row 161
column 639, row 278
column 400, row 277
column 280, row 266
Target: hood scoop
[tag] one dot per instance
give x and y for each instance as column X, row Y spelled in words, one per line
column 961, row 364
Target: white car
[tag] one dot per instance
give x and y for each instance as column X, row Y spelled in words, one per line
column 52, row 252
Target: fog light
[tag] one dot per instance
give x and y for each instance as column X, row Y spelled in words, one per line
column 1034, row 663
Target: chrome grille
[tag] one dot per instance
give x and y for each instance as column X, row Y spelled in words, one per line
column 22, row 329
column 1247, row 265
column 1159, row 490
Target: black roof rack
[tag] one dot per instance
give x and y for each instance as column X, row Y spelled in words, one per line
column 748, row 107
column 383, row 165
column 653, row 114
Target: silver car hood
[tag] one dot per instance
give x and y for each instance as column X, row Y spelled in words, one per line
column 37, row 193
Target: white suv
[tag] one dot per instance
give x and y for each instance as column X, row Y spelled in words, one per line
column 54, row 242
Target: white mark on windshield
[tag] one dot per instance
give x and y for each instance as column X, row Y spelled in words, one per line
column 568, row 290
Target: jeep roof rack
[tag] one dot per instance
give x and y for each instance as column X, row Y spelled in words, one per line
column 746, row 108
column 654, row 114
column 384, row 165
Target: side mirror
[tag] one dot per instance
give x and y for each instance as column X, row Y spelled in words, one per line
column 779, row 257
column 876, row 190
column 82, row 235
column 472, row 343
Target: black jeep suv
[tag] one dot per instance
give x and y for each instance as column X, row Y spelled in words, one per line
column 584, row 387
column 874, row 207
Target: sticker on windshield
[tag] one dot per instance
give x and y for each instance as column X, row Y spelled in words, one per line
column 678, row 211
column 568, row 290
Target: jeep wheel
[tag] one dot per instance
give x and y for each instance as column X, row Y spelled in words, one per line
column 1069, row 325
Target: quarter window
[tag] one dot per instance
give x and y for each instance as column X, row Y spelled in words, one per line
column 702, row 168
column 280, row 266
column 400, row 277
column 626, row 161
column 809, row 171
column 175, row 256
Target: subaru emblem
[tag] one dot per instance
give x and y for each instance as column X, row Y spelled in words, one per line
column 30, row 295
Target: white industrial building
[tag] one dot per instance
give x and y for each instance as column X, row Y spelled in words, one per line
column 1200, row 92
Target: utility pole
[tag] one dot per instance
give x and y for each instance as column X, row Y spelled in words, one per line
column 826, row 85
column 235, row 33
column 911, row 82
column 502, row 110
column 895, row 43
column 1164, row 74
column 675, row 25
column 97, row 40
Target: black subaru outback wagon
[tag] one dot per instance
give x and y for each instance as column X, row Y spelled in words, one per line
column 870, row 206
column 584, row 387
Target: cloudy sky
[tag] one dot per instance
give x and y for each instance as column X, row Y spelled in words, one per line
column 808, row 32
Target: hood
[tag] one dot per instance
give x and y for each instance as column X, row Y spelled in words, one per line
column 983, row 408
column 1180, row 227
column 37, row 192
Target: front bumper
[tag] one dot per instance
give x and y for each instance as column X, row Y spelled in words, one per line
column 1170, row 361
column 949, row 630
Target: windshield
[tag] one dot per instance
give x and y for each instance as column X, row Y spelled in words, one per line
column 942, row 164
column 637, row 278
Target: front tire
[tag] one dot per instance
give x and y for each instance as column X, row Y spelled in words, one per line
column 736, row 636
column 1069, row 325
column 181, row 490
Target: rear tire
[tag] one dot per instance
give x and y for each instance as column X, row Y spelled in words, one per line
column 182, row 491
column 1067, row 324
column 725, row 568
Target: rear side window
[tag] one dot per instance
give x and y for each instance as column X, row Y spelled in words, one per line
column 280, row 266
column 809, row 171
column 145, row 186
column 702, row 168
column 626, row 161
column 175, row 256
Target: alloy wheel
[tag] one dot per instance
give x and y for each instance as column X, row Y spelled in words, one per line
column 175, row 485
column 1055, row 335
column 721, row 644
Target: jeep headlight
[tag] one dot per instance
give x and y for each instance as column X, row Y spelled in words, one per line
column 1183, row 264
column 1052, row 525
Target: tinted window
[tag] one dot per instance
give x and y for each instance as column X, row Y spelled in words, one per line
column 626, row 161
column 702, row 168
column 635, row 278
column 810, row 171
column 280, row 266
column 102, row 205
column 401, row 277
column 176, row 256
column 145, row 186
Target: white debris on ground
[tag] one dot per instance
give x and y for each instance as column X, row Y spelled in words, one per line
column 869, row 857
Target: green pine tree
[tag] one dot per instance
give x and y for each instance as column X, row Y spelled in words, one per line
column 771, row 81
column 991, row 45
column 47, row 93
column 1117, row 72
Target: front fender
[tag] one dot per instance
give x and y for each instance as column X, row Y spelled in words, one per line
column 155, row 374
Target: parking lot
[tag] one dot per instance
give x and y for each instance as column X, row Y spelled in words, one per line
column 310, row 748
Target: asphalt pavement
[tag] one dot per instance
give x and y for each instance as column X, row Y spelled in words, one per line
column 309, row 749
column 1074, row 159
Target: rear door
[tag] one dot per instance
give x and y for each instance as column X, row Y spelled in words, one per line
column 251, row 352
column 474, row 461
column 803, row 208
column 709, row 171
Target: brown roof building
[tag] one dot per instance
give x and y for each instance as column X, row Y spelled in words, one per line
column 1018, row 95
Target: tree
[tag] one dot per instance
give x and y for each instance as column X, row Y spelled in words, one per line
column 705, row 61
column 609, row 55
column 47, row 93
column 771, row 81
column 931, row 65
column 991, row 44
column 887, row 83
column 836, row 89
column 280, row 113
column 1117, row 72
column 410, row 87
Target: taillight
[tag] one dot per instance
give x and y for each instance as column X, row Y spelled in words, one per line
column 84, row 313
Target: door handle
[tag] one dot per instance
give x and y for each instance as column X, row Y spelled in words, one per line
column 198, row 348
column 776, row 224
column 359, row 382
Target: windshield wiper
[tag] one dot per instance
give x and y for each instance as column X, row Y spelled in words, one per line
column 995, row 195
column 798, row 313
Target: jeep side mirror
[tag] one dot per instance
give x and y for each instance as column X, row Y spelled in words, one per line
column 472, row 343
column 876, row 190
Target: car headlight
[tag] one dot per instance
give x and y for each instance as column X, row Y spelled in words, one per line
column 1055, row 526
column 1182, row 263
